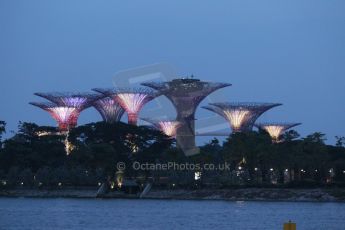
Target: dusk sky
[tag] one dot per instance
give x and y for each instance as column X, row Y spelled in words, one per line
column 292, row 52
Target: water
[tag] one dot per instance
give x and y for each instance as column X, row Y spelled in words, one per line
column 98, row 214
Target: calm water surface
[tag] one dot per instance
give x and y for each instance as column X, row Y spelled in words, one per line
column 85, row 214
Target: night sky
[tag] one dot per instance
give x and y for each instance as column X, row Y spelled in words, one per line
column 291, row 52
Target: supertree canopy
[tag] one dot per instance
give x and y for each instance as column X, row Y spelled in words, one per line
column 66, row 117
column 131, row 100
column 110, row 110
column 275, row 130
column 79, row 101
column 241, row 116
column 186, row 94
column 168, row 127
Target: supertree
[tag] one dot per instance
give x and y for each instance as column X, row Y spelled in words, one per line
column 131, row 100
column 110, row 110
column 186, row 94
column 275, row 130
column 240, row 115
column 66, row 117
column 168, row 127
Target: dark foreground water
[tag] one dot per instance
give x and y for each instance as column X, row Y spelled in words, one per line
column 97, row 214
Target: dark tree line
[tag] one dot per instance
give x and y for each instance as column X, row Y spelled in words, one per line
column 2, row 129
column 33, row 158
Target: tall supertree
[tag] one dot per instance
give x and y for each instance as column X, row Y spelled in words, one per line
column 240, row 115
column 110, row 110
column 131, row 100
column 66, row 117
column 275, row 130
column 186, row 94
column 168, row 127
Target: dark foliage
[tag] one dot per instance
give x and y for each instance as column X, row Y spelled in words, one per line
column 35, row 159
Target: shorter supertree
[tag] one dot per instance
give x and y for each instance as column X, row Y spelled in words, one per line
column 66, row 117
column 131, row 100
column 110, row 110
column 168, row 127
column 68, row 102
column 241, row 116
column 275, row 130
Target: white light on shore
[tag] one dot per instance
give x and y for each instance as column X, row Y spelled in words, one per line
column 197, row 175
column 271, row 169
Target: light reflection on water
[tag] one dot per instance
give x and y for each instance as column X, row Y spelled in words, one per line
column 26, row 213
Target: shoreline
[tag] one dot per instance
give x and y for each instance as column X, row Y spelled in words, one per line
column 241, row 194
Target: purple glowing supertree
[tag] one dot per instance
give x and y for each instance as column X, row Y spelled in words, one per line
column 76, row 101
column 241, row 116
column 275, row 130
column 186, row 94
column 131, row 100
column 66, row 117
column 168, row 127
column 110, row 110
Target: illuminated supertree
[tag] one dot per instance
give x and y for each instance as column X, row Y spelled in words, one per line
column 168, row 127
column 110, row 110
column 186, row 94
column 131, row 100
column 241, row 116
column 66, row 117
column 275, row 130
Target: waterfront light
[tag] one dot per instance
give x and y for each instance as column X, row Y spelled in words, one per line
column 271, row 169
column 256, row 169
column 197, row 175
column 239, row 168
column 59, row 184
column 119, row 184
column 286, row 170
